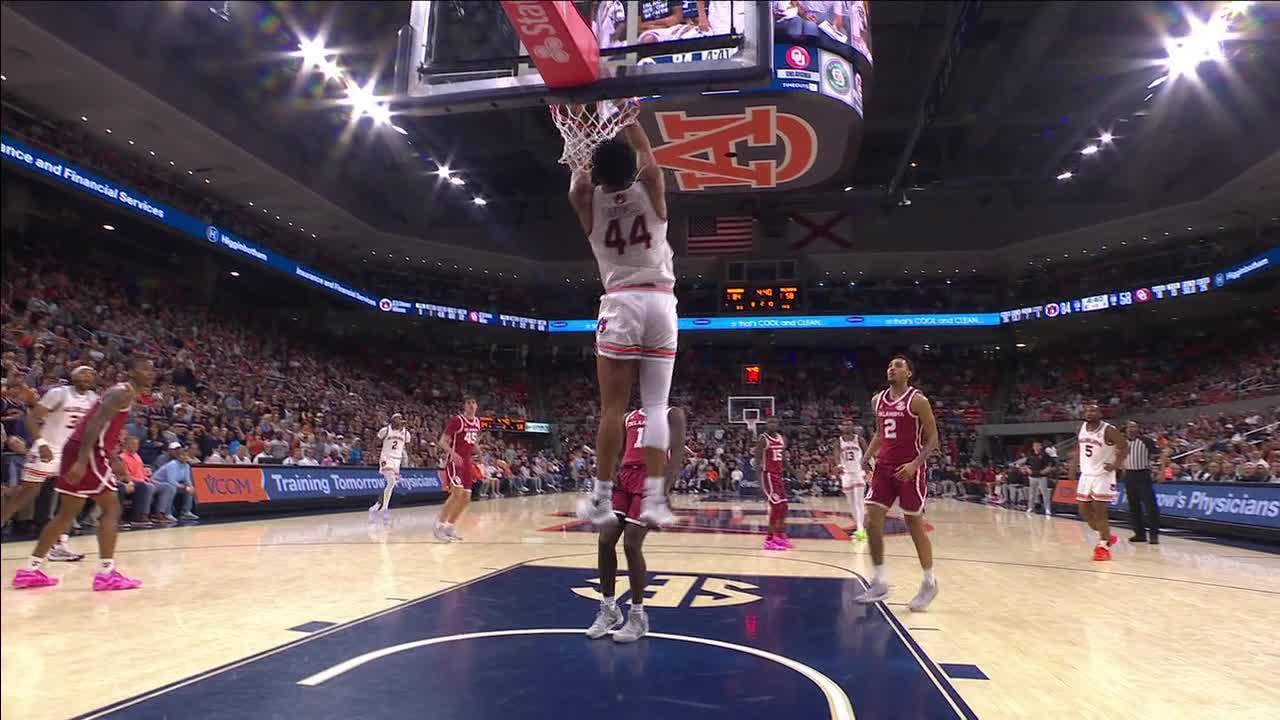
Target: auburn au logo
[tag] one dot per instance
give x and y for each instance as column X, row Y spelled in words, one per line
column 701, row 150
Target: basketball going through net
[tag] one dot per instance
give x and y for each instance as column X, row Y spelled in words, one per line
column 586, row 126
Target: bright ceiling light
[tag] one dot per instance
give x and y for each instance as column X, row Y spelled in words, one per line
column 381, row 114
column 1089, row 150
column 1106, row 137
column 1067, row 175
column 479, row 201
column 331, row 70
column 108, row 227
column 444, row 171
column 455, row 180
column 400, row 130
column 1202, row 44
column 235, row 274
column 1157, row 82
column 84, row 119
column 313, row 54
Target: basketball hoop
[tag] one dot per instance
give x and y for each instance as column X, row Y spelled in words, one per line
column 751, row 418
column 586, row 126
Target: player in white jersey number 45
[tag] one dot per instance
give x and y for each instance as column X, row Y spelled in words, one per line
column 623, row 209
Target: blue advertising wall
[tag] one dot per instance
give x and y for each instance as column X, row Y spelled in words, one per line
column 315, row 483
column 1253, row 505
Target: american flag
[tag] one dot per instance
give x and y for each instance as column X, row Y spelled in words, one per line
column 720, row 235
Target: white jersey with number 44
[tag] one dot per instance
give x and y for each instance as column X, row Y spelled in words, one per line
column 393, row 445
column 629, row 240
column 66, row 409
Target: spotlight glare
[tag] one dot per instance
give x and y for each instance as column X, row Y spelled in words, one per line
column 1202, row 44
column 235, row 274
column 1066, row 175
column 401, row 130
column 313, row 54
column 479, row 201
column 444, row 171
column 108, row 227
column 455, row 180
column 381, row 114
column 1089, row 150
column 1106, row 137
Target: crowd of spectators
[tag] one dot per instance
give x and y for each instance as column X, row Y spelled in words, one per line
column 1195, row 366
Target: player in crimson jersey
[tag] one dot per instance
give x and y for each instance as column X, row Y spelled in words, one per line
column 458, row 441
column 628, row 503
column 906, row 433
column 89, row 465
column 770, row 449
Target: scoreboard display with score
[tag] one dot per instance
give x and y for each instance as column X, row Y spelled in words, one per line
column 772, row 298
column 502, row 423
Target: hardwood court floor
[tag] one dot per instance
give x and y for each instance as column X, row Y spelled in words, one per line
column 1026, row 626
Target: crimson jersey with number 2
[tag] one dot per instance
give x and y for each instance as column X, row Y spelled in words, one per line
column 900, row 429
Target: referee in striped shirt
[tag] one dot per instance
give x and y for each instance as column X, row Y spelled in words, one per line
column 1138, row 466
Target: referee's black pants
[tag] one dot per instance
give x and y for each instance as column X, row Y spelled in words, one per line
column 1144, row 513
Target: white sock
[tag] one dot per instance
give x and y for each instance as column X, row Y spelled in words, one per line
column 106, row 565
column 929, row 577
column 859, row 508
column 603, row 489
column 610, row 602
column 653, row 487
column 878, row 574
column 637, row 608
column 62, row 539
column 35, row 562
column 1102, row 542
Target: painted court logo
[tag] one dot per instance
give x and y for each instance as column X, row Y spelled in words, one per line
column 703, row 151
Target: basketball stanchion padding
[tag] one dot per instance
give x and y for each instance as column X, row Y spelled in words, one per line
column 560, row 43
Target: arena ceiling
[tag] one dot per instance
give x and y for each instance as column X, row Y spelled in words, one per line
column 1031, row 85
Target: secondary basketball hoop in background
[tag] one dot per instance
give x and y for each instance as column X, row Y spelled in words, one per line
column 750, row 410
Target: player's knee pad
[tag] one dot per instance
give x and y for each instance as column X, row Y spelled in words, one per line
column 657, row 429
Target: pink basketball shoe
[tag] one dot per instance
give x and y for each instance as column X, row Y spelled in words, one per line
column 32, row 579
column 114, row 581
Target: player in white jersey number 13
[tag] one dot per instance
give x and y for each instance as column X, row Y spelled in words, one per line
column 623, row 209
column 395, row 440
column 853, row 482
column 50, row 423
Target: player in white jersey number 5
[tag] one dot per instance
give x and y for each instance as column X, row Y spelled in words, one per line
column 50, row 423
column 395, row 440
column 623, row 209
column 1099, row 447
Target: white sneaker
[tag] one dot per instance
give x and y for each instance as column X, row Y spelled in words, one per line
column 441, row 534
column 452, row 532
column 606, row 619
column 928, row 591
column 656, row 513
column 596, row 509
column 637, row 626
column 875, row 592
column 62, row 553
column 373, row 513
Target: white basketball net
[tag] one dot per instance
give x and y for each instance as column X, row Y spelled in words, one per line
column 586, row 126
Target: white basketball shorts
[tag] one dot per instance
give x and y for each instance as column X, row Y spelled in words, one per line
column 637, row 325
column 852, row 479
column 36, row 471
column 1097, row 487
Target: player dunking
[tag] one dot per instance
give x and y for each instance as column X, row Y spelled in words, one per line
column 1098, row 445
column 88, row 467
column 51, row 422
column 770, row 450
column 906, row 433
column 853, row 482
column 395, row 438
column 458, row 441
column 624, row 213
column 628, row 497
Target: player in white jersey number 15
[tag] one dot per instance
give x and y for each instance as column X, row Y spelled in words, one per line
column 50, row 423
column 395, row 440
column 623, row 209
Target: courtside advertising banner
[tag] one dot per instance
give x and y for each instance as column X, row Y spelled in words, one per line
column 240, row 484
column 1250, row 504
column 314, row 483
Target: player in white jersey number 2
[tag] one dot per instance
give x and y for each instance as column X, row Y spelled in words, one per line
column 395, row 440
column 50, row 423
column 853, row 482
column 623, row 209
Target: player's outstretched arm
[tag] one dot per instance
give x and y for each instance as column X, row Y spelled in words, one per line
column 580, row 193
column 650, row 176
column 678, row 423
